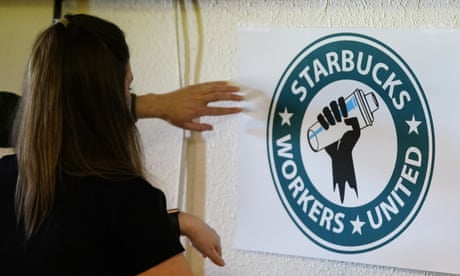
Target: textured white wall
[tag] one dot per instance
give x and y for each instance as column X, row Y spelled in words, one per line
column 220, row 21
column 205, row 32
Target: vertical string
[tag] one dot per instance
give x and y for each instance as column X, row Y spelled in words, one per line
column 193, row 151
column 180, row 20
column 199, row 51
column 184, row 71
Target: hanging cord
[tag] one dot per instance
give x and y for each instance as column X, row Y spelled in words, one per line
column 192, row 143
column 180, row 19
column 184, row 71
column 199, row 51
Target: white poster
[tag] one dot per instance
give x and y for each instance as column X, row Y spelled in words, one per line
column 348, row 147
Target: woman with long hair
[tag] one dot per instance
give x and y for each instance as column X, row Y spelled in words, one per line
column 82, row 205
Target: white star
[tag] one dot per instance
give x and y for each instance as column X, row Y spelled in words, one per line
column 357, row 225
column 286, row 117
column 413, row 125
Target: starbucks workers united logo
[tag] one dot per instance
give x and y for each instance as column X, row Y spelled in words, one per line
column 350, row 143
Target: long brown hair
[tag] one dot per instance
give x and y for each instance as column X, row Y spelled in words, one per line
column 74, row 117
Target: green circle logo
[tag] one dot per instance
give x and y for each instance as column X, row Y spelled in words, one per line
column 350, row 143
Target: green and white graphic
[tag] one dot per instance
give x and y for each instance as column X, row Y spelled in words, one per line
column 350, row 143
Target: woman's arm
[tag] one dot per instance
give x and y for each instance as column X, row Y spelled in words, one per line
column 183, row 106
column 204, row 238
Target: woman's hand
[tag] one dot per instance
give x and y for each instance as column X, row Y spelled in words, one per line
column 183, row 106
column 202, row 237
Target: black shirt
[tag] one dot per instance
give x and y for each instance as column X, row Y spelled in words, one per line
column 98, row 227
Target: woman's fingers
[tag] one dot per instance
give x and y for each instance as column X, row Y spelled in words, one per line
column 216, row 256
